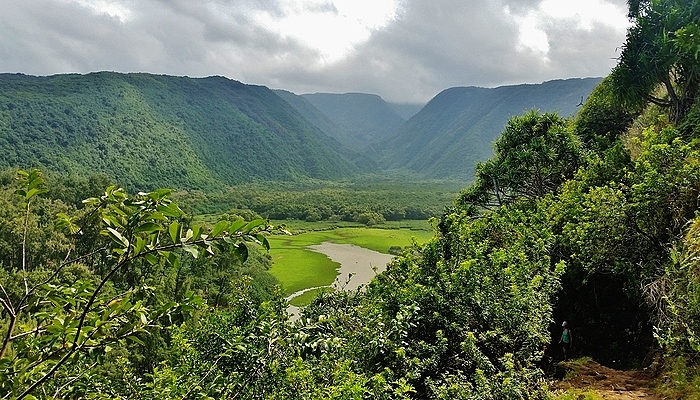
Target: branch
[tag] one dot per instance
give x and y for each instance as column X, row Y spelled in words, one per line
column 24, row 249
column 37, row 330
column 669, row 88
column 55, row 396
column 10, row 328
column 74, row 346
column 58, row 270
column 657, row 101
column 211, row 369
column 81, row 323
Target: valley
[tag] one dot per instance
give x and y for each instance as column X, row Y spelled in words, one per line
column 299, row 264
column 155, row 229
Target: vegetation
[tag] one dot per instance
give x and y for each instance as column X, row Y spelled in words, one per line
column 148, row 131
column 590, row 219
column 65, row 312
column 367, row 201
column 457, row 128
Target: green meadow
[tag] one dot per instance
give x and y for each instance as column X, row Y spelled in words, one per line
column 298, row 268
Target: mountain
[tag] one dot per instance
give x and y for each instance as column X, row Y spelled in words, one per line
column 361, row 118
column 146, row 131
column 457, row 128
column 314, row 115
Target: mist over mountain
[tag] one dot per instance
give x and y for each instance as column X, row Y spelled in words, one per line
column 363, row 118
column 406, row 110
column 456, row 129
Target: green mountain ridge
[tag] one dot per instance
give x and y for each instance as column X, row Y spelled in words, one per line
column 139, row 128
column 456, row 129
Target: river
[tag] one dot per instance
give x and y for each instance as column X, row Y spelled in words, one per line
column 357, row 267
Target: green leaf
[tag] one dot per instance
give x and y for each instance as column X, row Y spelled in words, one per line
column 148, row 227
column 136, row 340
column 219, row 227
column 34, row 192
column 116, row 237
column 236, row 225
column 151, row 258
column 241, row 252
column 158, row 194
column 173, row 260
column 263, row 241
column 64, row 221
column 252, row 225
column 171, row 210
column 92, row 201
column 140, row 244
column 112, row 220
column 196, row 232
column 175, row 229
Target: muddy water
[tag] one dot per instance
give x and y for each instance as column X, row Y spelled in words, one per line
column 357, row 266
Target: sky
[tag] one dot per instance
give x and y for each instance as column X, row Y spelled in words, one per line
column 406, row 51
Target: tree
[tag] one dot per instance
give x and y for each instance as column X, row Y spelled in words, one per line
column 602, row 120
column 535, row 154
column 56, row 332
column 662, row 48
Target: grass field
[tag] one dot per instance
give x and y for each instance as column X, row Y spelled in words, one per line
column 299, row 268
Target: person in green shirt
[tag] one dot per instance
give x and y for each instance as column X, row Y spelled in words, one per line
column 566, row 339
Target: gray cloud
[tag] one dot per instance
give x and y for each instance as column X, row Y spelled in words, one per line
column 431, row 45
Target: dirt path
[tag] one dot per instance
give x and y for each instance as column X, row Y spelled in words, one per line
column 608, row 383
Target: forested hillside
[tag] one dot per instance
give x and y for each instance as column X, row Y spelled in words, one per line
column 146, row 131
column 457, row 128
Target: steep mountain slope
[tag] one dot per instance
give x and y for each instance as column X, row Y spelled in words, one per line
column 314, row 115
column 147, row 130
column 363, row 118
column 456, row 129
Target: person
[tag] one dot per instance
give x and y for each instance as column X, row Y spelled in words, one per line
column 566, row 339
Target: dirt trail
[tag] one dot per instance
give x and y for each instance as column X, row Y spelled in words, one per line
column 607, row 382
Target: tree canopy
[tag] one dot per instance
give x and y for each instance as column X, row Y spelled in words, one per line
column 662, row 49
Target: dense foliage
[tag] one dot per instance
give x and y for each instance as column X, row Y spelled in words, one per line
column 148, row 131
column 662, row 49
column 368, row 201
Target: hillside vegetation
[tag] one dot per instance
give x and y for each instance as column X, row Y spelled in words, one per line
column 146, row 131
column 592, row 220
column 457, row 128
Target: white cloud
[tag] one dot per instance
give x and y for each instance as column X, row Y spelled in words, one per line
column 404, row 50
column 112, row 8
column 536, row 25
column 333, row 28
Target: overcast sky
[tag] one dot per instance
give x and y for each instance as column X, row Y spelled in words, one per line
column 403, row 50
